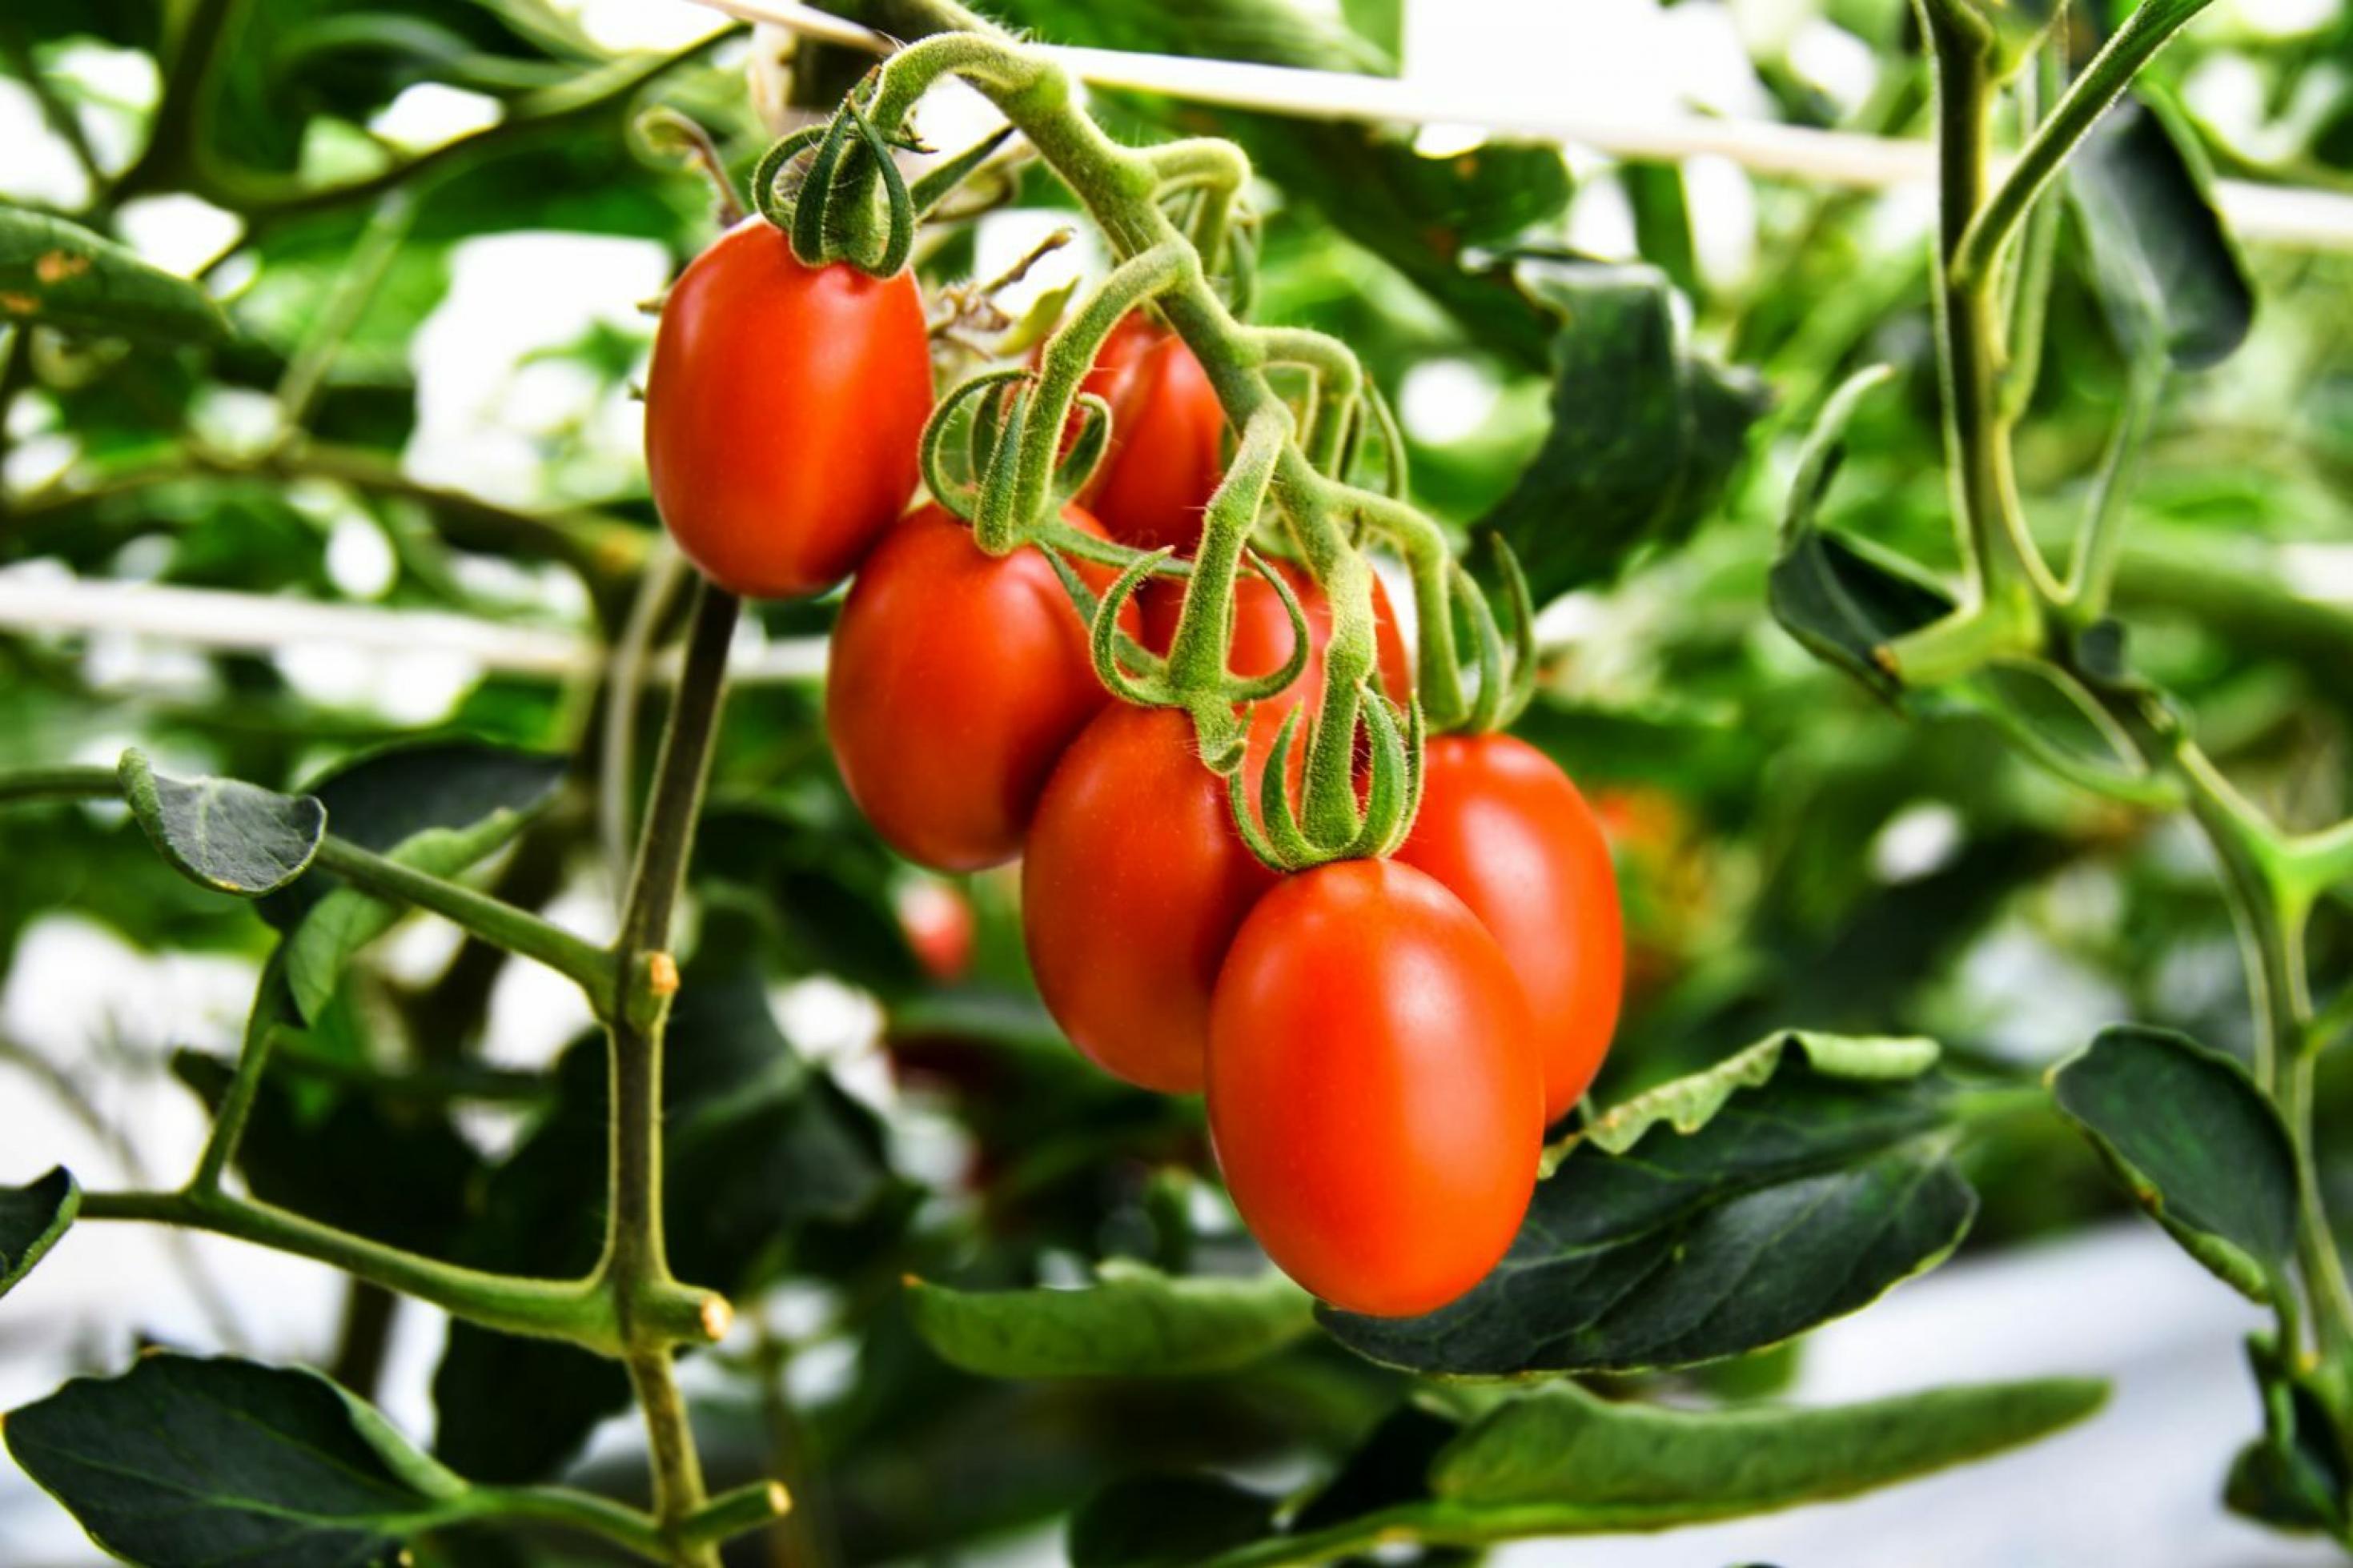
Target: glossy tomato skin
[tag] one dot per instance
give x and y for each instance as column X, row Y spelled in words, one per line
column 1167, row 437
column 1131, row 885
column 783, row 412
column 1507, row 833
column 1262, row 645
column 956, row 681
column 1375, row 1094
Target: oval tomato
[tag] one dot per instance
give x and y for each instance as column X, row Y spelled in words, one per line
column 1508, row 834
column 1262, row 645
column 783, row 412
column 1131, row 885
column 956, row 681
column 1167, row 437
column 1375, row 1093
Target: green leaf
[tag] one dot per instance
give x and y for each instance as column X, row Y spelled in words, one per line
column 1591, row 1465
column 1846, row 599
column 224, row 834
column 438, row 806
column 1687, row 1104
column 2164, row 261
column 2196, row 1141
column 58, row 274
column 1166, row 1521
column 190, row 1463
column 32, row 1217
column 2297, row 1475
column 1643, row 434
column 1137, row 1323
column 1798, row 1198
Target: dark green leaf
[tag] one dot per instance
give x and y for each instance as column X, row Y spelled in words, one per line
column 2197, row 1142
column 1846, row 599
column 2165, row 262
column 1798, row 1199
column 58, row 274
column 1166, row 1521
column 1642, row 433
column 2296, row 1475
column 32, row 1217
column 189, row 1463
column 438, row 806
column 1596, row 1466
column 225, row 834
column 1390, row 1469
column 1136, row 1323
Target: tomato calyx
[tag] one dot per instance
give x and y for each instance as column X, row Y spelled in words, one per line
column 1505, row 675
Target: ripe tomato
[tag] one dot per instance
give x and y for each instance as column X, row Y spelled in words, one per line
column 956, row 681
column 783, row 412
column 1507, row 833
column 1375, row 1093
column 1132, row 886
column 1167, row 437
column 1261, row 644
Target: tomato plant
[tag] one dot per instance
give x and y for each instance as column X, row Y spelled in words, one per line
column 535, row 532
column 762, row 364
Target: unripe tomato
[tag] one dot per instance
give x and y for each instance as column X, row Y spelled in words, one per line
column 1507, row 833
column 1131, row 885
column 1262, row 645
column 956, row 681
column 1375, row 1093
column 1167, row 437
column 783, row 412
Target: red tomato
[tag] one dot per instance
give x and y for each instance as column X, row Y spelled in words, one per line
column 956, row 681
column 783, row 412
column 1375, row 1093
column 1261, row 644
column 937, row 921
column 1167, row 437
column 1507, row 833
column 1132, row 886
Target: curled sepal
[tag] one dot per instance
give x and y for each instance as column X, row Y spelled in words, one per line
column 937, row 184
column 768, row 197
column 809, row 230
column 1281, row 844
column 1378, row 417
column 1507, row 676
column 1077, row 466
column 1392, row 795
column 667, row 133
column 1257, row 689
column 1393, row 782
column 1111, row 648
column 956, row 492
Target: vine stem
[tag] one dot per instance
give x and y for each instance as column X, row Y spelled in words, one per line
column 636, row 1265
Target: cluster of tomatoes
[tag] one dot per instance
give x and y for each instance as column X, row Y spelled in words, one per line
column 1382, row 1043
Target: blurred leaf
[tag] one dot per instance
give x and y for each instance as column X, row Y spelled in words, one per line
column 189, row 1463
column 2296, row 1475
column 58, row 274
column 2197, row 1143
column 2164, row 261
column 1166, row 1521
column 1390, row 1468
column 1594, row 1465
column 32, row 1217
column 437, row 806
column 1662, row 229
column 1846, row 599
column 1800, row 1199
column 1642, row 438
column 827, row 894
column 1136, row 1323
column 224, row 834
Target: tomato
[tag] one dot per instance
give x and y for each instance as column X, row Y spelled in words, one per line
column 783, row 412
column 1376, row 1098
column 1261, row 644
column 1507, row 833
column 1131, row 885
column 956, row 681
column 1167, row 437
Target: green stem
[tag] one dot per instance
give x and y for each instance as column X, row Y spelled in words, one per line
column 625, row 1527
column 2030, row 298
column 236, row 1103
column 356, row 285
column 636, row 1265
column 493, row 919
column 59, row 784
column 2100, row 545
column 2151, row 25
column 575, row 1311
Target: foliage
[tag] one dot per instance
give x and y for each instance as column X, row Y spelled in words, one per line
column 1027, row 1294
